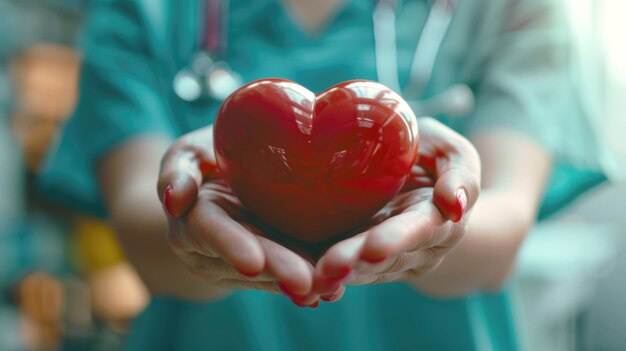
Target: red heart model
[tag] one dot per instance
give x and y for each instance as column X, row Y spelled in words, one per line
column 315, row 167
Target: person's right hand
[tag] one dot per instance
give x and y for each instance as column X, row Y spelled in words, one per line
column 209, row 230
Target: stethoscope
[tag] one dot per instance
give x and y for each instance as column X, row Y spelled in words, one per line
column 207, row 76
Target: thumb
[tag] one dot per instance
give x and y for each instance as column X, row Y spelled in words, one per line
column 183, row 168
column 455, row 193
column 455, row 165
column 179, row 182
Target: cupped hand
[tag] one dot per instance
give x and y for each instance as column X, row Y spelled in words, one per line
column 210, row 232
column 415, row 231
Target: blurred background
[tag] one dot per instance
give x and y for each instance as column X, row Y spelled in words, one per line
column 64, row 282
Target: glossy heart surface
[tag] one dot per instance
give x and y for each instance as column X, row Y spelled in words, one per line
column 315, row 167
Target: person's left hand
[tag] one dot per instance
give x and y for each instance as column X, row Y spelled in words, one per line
column 413, row 233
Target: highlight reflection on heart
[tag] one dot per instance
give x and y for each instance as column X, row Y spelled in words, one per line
column 315, row 167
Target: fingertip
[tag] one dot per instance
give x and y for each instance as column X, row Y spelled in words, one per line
column 249, row 271
column 329, row 298
column 249, row 274
column 179, row 195
column 339, row 271
column 295, row 293
column 461, row 204
column 379, row 246
column 455, row 192
column 335, row 296
column 292, row 272
column 451, row 200
column 244, row 255
column 167, row 200
column 323, row 285
column 338, row 261
column 336, row 267
column 374, row 260
column 251, row 265
column 297, row 285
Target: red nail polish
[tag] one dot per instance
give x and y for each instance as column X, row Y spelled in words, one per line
column 206, row 168
column 314, row 304
column 296, row 298
column 167, row 200
column 299, row 304
column 330, row 285
column 344, row 272
column 329, row 298
column 248, row 274
column 338, row 280
column 371, row 260
column 283, row 289
column 461, row 199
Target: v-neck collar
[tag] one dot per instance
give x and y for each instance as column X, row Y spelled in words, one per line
column 292, row 19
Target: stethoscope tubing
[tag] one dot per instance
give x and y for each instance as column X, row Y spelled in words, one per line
column 195, row 81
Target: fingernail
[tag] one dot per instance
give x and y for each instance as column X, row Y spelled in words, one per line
column 372, row 260
column 329, row 298
column 167, row 200
column 206, row 168
column 295, row 297
column 283, row 289
column 344, row 272
column 339, row 279
column 332, row 284
column 299, row 300
column 314, row 304
column 248, row 274
column 461, row 199
column 299, row 304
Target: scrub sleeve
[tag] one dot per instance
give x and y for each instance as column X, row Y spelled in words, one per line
column 118, row 100
column 524, row 82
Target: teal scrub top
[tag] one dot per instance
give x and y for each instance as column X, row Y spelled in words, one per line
column 513, row 54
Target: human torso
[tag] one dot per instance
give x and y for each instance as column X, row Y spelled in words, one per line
column 264, row 40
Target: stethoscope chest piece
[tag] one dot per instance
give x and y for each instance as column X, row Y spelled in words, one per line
column 206, row 78
column 222, row 81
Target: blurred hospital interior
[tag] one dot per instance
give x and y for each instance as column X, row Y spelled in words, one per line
column 64, row 281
